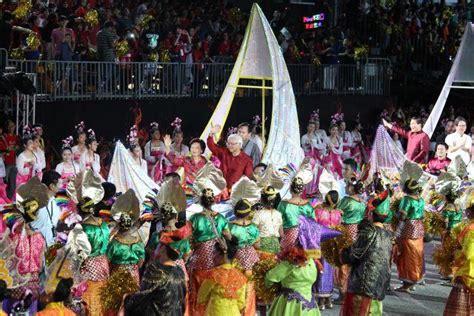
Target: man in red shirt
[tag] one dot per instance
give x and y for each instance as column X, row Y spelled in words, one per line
column 440, row 162
column 418, row 145
column 234, row 162
column 11, row 144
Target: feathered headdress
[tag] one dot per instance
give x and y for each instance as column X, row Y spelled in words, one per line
column 154, row 126
column 176, row 124
column 80, row 128
column 27, row 133
column 132, row 137
column 314, row 117
column 337, row 118
column 91, row 135
column 67, row 143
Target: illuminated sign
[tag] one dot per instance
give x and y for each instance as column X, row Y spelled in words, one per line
column 313, row 21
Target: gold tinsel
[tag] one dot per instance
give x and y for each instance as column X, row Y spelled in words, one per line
column 332, row 248
column 444, row 255
column 434, row 223
column 92, row 17
column 52, row 252
column 394, row 205
column 145, row 21
column 316, row 61
column 17, row 53
column 119, row 284
column 260, row 269
column 122, row 48
column 153, row 56
column 32, row 41
column 165, row 56
column 23, row 9
column 361, row 52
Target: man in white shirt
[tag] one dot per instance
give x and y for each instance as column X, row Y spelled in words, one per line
column 459, row 143
column 48, row 216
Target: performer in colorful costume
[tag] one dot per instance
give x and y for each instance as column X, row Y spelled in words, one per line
column 27, row 163
column 461, row 298
column 269, row 222
column 247, row 235
column 154, row 150
column 329, row 216
column 223, row 290
column 68, row 168
column 81, row 137
column 353, row 211
column 89, row 158
column 135, row 149
column 409, row 234
column 27, row 246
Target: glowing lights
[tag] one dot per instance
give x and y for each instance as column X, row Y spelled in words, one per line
column 313, row 21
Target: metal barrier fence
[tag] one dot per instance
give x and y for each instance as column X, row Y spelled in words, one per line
column 59, row 80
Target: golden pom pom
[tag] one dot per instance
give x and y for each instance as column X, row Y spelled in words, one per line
column 23, row 9
column 122, row 48
column 434, row 223
column 17, row 53
column 120, row 283
column 145, row 21
column 165, row 56
column 153, row 57
column 316, row 61
column 361, row 52
column 32, row 41
column 92, row 17
column 443, row 255
column 260, row 269
column 332, row 248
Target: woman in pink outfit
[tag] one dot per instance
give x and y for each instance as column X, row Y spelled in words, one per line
column 333, row 160
column 68, row 168
column 154, row 153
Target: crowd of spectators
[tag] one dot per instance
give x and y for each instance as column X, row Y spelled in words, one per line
column 206, row 31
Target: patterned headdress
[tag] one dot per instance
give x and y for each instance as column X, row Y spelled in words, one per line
column 27, row 133
column 176, row 124
column 337, row 118
column 154, row 126
column 132, row 137
column 91, row 135
column 80, row 128
column 314, row 116
column 67, row 143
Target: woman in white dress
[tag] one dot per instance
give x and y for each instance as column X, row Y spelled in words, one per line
column 136, row 150
column 68, row 168
column 459, row 143
column 89, row 159
column 39, row 153
column 347, row 142
column 27, row 163
column 81, row 138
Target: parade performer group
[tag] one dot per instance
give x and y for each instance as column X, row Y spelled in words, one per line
column 292, row 238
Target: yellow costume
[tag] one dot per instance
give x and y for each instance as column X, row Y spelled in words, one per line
column 223, row 291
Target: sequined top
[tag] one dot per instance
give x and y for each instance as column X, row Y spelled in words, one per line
column 328, row 217
column 352, row 210
column 290, row 213
column 246, row 235
column 98, row 238
column 384, row 209
column 414, row 208
column 120, row 253
column 202, row 227
column 29, row 250
column 453, row 216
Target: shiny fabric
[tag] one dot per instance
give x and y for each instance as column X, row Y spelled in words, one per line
column 98, row 237
column 95, row 268
column 383, row 208
column 412, row 229
column 130, row 268
column 464, row 261
column 119, row 253
column 268, row 222
column 418, row 145
column 297, row 279
column 436, row 166
column 246, row 235
column 202, row 228
column 223, row 291
column 311, row 234
column 410, row 260
column 453, row 216
column 369, row 258
column 325, row 281
column 191, row 168
column 328, row 217
column 204, row 255
column 56, row 309
column 162, row 292
column 460, row 300
column 29, row 251
column 92, row 297
column 353, row 211
column 360, row 305
column 414, row 208
column 233, row 167
column 291, row 212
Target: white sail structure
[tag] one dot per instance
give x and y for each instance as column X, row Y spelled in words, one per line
column 260, row 58
column 126, row 174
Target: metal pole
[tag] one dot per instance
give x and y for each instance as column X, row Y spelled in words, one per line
column 263, row 114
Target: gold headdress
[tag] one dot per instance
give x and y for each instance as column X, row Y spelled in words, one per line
column 126, row 204
column 171, row 191
column 32, row 191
